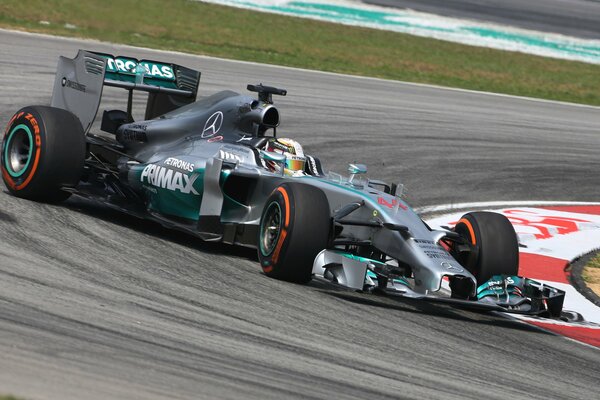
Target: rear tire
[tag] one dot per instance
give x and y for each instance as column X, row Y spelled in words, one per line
column 294, row 228
column 43, row 151
column 494, row 242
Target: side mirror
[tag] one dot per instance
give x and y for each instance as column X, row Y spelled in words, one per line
column 356, row 169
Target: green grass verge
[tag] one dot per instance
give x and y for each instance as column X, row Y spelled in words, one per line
column 200, row 28
column 4, row 397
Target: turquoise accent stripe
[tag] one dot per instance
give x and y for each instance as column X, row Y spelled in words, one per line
column 358, row 258
column 7, row 160
column 429, row 25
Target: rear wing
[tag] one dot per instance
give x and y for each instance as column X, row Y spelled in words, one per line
column 79, row 82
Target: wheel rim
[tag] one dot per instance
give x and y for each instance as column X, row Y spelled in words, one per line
column 270, row 229
column 18, row 150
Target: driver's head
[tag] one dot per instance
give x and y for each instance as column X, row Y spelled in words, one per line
column 292, row 150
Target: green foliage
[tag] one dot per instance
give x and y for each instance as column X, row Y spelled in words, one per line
column 200, row 28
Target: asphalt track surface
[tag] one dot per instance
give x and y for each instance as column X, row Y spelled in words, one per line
column 97, row 305
column 579, row 18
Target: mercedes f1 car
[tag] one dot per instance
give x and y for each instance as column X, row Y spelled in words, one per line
column 206, row 167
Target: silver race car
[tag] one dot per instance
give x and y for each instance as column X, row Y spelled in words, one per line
column 215, row 168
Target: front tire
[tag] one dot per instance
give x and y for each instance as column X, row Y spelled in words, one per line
column 43, row 151
column 494, row 245
column 294, row 228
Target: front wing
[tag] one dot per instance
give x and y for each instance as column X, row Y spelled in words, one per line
column 511, row 294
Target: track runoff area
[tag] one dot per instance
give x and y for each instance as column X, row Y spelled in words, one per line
column 550, row 238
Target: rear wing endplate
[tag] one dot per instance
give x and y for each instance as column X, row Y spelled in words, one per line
column 79, row 82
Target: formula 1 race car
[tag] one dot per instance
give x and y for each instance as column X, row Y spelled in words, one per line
column 215, row 168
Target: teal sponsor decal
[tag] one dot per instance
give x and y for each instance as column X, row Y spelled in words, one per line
column 129, row 69
column 127, row 65
column 172, row 191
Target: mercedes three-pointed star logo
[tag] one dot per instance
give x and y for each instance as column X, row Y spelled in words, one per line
column 212, row 125
column 452, row 267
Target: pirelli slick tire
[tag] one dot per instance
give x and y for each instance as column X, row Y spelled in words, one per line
column 495, row 248
column 294, row 228
column 43, row 151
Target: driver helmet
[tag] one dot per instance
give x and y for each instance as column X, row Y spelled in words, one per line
column 294, row 156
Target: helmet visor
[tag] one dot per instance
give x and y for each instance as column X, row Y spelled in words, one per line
column 295, row 163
